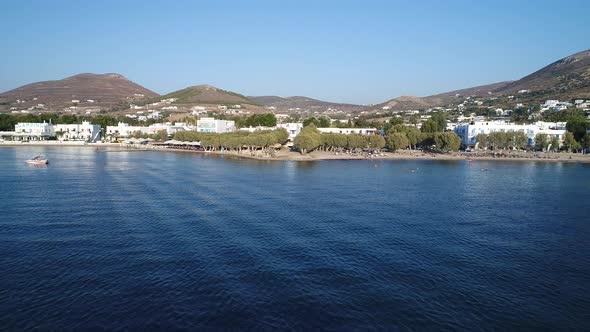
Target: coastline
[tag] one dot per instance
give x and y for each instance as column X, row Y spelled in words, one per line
column 283, row 155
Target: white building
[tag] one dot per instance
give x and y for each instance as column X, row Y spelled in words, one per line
column 78, row 132
column 210, row 125
column 123, row 129
column 348, row 131
column 468, row 132
column 293, row 128
column 27, row 131
column 555, row 105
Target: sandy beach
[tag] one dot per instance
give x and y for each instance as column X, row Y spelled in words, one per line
column 286, row 155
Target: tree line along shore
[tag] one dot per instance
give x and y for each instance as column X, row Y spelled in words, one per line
column 393, row 136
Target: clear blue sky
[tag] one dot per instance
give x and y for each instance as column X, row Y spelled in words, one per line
column 347, row 51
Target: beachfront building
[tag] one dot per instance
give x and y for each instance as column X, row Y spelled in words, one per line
column 78, row 132
column 348, row 131
column 27, row 131
column 469, row 131
column 211, row 125
column 124, row 130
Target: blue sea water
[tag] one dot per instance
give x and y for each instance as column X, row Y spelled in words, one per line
column 181, row 241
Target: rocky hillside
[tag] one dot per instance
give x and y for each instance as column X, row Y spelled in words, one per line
column 83, row 90
column 563, row 79
column 207, row 94
column 403, row 103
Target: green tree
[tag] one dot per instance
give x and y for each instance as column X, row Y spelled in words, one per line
column 554, row 143
column 311, row 120
column 520, row 139
column 161, row 135
column 414, row 119
column 483, row 140
column 357, row 141
column 396, row 121
column 7, row 122
column 396, row 141
column 265, row 120
column 586, row 141
column 541, row 141
column 578, row 126
column 413, row 135
column 448, row 141
column 430, row 126
column 441, row 121
column 308, row 139
column 376, row 142
column 569, row 141
column 324, row 122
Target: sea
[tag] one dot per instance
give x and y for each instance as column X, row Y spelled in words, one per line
column 170, row 241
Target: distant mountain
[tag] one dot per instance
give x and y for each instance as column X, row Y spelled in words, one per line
column 104, row 90
column 565, row 79
column 403, row 103
column 304, row 103
column 207, row 94
column 447, row 98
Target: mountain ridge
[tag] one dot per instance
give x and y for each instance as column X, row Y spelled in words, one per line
column 103, row 90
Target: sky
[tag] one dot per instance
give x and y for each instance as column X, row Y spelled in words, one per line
column 363, row 52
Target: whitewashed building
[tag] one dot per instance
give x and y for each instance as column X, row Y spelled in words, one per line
column 28, row 131
column 469, row 131
column 211, row 125
column 123, row 129
column 78, row 132
column 293, row 128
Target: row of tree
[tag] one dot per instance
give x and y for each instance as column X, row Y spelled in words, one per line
column 161, row 135
column 503, row 140
column 310, row 139
column 399, row 137
column 402, row 137
column 237, row 141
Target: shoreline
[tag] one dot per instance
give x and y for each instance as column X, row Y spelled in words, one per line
column 283, row 155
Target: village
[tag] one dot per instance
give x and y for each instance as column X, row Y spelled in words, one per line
column 472, row 130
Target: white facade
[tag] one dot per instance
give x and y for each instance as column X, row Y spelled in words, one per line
column 28, row 131
column 348, row 131
column 125, row 130
column 41, row 131
column 210, row 125
column 293, row 128
column 78, row 132
column 257, row 128
column 555, row 105
column 468, row 132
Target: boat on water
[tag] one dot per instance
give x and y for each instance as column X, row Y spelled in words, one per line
column 38, row 160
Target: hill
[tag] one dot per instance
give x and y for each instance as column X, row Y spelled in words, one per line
column 450, row 97
column 564, row 79
column 207, row 94
column 304, row 103
column 403, row 103
column 103, row 91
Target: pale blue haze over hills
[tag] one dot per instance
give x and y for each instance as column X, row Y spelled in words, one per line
column 345, row 51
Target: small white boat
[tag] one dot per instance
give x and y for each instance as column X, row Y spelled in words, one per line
column 37, row 160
